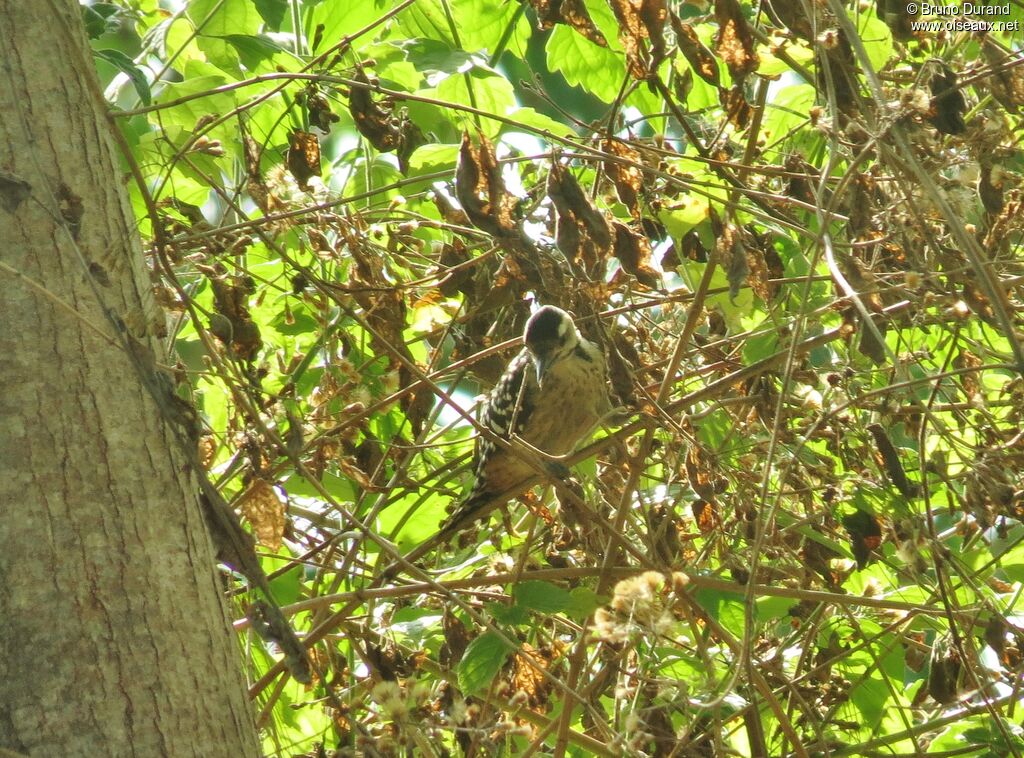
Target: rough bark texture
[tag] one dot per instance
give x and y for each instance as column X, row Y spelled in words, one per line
column 114, row 638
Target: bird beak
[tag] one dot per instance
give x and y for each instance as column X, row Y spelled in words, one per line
column 543, row 364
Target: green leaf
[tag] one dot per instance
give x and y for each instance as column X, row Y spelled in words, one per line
column 725, row 607
column 481, row 662
column 287, row 587
column 301, row 322
column 481, row 88
column 508, row 615
column 188, row 113
column 125, row 64
column 431, row 55
column 487, row 25
column 99, row 18
column 221, row 17
column 597, row 69
column 341, row 18
column 584, row 602
column 684, row 214
column 253, row 50
column 430, row 159
column 529, row 117
column 760, row 347
column 542, row 597
column 427, row 19
column 272, row 12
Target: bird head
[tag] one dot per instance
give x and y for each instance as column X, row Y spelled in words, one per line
column 550, row 335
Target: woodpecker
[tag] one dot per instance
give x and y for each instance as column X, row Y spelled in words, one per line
column 551, row 396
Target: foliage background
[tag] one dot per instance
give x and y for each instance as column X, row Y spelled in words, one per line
column 794, row 227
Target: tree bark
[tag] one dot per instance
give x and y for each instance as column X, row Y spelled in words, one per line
column 114, row 635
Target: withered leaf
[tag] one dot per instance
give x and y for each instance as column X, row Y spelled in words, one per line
column 303, row 157
column 622, row 358
column 868, row 345
column 319, row 109
column 948, row 104
column 386, row 130
column 255, row 186
column 1006, row 81
column 842, row 73
column 763, row 265
column 732, row 256
column 570, row 12
column 991, row 193
column 978, row 301
column 449, row 212
column 891, row 461
column 528, row 681
column 944, row 673
column 456, row 639
column 641, row 20
column 682, row 86
column 628, row 179
column 696, row 52
column 634, row 253
column 232, row 323
column 898, row 17
column 480, row 188
column 995, row 634
column 581, row 231
column 735, row 41
column 377, row 124
column 706, row 515
column 698, row 472
column 969, row 381
column 817, row 557
column 865, row 535
column 264, row 510
column 736, row 107
column 801, row 174
column 692, row 248
column 794, row 17
column 453, row 255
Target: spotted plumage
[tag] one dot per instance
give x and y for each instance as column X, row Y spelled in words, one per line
column 551, row 396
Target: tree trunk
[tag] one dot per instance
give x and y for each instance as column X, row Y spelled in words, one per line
column 114, row 636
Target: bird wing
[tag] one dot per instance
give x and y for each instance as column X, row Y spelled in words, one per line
column 507, row 408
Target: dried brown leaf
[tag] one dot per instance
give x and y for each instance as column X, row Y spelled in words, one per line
column 570, row 12
column 735, row 41
column 303, row 157
column 582, row 232
column 890, row 460
column 264, row 510
column 1007, row 75
column 628, row 179
column 480, row 188
column 898, row 16
column 376, row 123
column 969, row 381
column 732, row 256
column 700, row 58
column 991, row 192
column 948, row 104
column 865, row 535
column 634, row 253
column 736, row 107
column 641, row 20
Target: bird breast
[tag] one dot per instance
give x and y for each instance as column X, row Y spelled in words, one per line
column 571, row 401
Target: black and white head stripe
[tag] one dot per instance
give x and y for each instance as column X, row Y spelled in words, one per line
column 548, row 325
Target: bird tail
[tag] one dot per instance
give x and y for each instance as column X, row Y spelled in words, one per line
column 476, row 505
